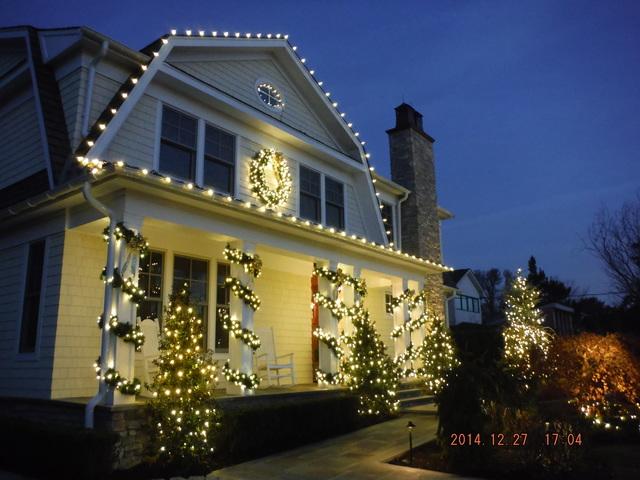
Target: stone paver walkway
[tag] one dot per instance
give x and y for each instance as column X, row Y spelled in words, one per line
column 360, row 455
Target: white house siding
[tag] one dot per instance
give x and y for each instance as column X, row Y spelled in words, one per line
column 354, row 212
column 21, row 152
column 374, row 302
column 238, row 79
column 78, row 338
column 28, row 375
column 286, row 298
column 105, row 86
column 465, row 287
column 135, row 141
column 72, row 92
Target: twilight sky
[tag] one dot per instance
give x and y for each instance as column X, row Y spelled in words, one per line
column 535, row 106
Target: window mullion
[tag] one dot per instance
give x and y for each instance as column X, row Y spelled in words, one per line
column 199, row 177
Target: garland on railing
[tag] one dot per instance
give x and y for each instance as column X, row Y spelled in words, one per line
column 116, row 381
column 241, row 379
column 331, row 341
column 127, row 332
column 339, row 278
column 244, row 293
column 134, row 240
column 127, row 286
column 250, row 262
column 236, row 330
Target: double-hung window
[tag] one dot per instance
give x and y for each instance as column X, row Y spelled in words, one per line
column 150, row 281
column 222, row 302
column 31, row 299
column 219, row 160
column 195, row 274
column 334, row 203
column 310, row 195
column 178, row 144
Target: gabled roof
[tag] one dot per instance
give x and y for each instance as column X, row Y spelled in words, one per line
column 453, row 278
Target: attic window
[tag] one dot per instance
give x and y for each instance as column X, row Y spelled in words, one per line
column 270, row 95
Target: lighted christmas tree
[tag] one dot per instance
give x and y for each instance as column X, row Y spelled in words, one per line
column 182, row 409
column 438, row 356
column 367, row 369
column 526, row 340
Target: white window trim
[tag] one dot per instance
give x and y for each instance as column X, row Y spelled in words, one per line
column 279, row 109
column 344, row 201
column 323, row 196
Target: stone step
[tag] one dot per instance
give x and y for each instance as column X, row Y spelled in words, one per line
column 428, row 409
column 409, row 392
column 417, row 400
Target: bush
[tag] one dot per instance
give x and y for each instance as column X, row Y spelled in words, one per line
column 56, row 451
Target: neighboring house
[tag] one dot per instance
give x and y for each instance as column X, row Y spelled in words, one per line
column 558, row 317
column 464, row 305
column 171, row 133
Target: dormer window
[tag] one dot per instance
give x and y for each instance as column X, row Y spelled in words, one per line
column 270, row 95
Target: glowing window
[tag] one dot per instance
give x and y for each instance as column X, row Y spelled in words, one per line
column 270, row 95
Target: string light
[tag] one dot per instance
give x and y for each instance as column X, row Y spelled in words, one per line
column 270, row 197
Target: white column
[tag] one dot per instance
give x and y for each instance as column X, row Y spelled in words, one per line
column 419, row 334
column 400, row 314
column 123, row 353
column 328, row 362
column 240, row 354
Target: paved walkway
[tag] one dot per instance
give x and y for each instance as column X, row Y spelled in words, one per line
column 360, row 455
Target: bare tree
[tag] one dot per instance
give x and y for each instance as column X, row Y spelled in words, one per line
column 490, row 281
column 615, row 239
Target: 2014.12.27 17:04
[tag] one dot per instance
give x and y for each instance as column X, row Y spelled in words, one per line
column 512, row 440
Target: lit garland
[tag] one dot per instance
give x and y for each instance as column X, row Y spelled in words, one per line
column 236, row 330
column 339, row 278
column 243, row 380
column 331, row 341
column 126, row 331
column 403, row 297
column 251, row 263
column 270, row 197
column 336, row 307
column 438, row 356
column 182, row 411
column 410, row 325
column 114, row 380
column 329, row 378
column 135, row 241
column 244, row 293
column 127, row 286
column 524, row 336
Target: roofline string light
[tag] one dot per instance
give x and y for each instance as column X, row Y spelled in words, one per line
column 96, row 165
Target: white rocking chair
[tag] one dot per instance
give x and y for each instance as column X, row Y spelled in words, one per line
column 151, row 332
column 269, row 365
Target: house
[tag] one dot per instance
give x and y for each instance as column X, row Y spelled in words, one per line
column 199, row 141
column 558, row 317
column 464, row 304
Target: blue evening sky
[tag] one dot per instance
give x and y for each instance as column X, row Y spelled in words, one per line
column 535, row 106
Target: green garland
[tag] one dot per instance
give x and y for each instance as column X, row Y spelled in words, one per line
column 410, row 325
column 241, row 379
column 339, row 278
column 127, row 332
column 244, row 293
column 270, row 197
column 133, row 240
column 328, row 378
column 336, row 307
column 250, row 262
column 116, row 381
column 403, row 297
column 236, row 330
column 331, row 341
column 127, row 286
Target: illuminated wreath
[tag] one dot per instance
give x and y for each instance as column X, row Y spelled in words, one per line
column 270, row 197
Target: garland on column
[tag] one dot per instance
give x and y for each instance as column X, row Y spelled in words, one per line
column 252, row 264
column 241, row 379
column 403, row 297
column 339, row 278
column 410, row 325
column 126, row 331
column 336, row 307
column 236, row 330
column 331, row 341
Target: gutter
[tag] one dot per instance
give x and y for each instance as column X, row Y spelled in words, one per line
column 104, row 47
column 106, row 309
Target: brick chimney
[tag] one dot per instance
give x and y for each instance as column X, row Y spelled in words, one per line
column 412, row 166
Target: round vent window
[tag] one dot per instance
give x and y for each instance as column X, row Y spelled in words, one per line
column 270, row 95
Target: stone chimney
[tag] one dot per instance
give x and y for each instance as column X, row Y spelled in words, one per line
column 413, row 167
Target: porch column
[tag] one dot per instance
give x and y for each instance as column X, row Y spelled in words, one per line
column 121, row 355
column 349, row 295
column 400, row 315
column 419, row 334
column 241, row 355
column 328, row 362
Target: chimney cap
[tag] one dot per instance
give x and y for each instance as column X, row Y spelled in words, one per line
column 408, row 117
